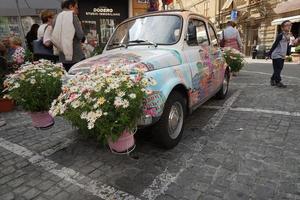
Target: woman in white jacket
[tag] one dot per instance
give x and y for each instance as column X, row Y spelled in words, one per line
column 67, row 35
column 44, row 33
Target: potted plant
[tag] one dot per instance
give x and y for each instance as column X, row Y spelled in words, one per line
column 234, row 59
column 6, row 104
column 296, row 55
column 34, row 86
column 104, row 104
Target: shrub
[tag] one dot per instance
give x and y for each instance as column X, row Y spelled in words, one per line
column 234, row 59
column 103, row 103
column 297, row 49
column 34, row 86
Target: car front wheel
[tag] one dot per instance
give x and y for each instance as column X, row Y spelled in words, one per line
column 168, row 130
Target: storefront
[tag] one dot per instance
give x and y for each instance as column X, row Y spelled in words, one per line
column 100, row 17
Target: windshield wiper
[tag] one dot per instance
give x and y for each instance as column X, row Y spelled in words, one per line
column 142, row 41
column 118, row 44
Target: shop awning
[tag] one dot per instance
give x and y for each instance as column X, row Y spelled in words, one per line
column 26, row 7
column 227, row 4
column 292, row 19
column 287, row 6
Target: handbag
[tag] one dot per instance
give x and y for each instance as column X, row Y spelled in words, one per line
column 40, row 49
column 222, row 42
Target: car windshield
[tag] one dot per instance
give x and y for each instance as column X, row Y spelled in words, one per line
column 150, row 30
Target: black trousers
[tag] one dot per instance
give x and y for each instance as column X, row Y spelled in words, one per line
column 277, row 68
column 68, row 66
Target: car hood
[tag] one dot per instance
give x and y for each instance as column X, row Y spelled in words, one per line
column 148, row 60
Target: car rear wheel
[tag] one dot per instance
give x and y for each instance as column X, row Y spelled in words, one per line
column 222, row 93
column 168, row 130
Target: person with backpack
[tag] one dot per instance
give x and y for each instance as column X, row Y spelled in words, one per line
column 280, row 49
column 44, row 38
column 68, row 35
column 231, row 37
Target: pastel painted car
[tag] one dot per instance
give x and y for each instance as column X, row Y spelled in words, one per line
column 180, row 50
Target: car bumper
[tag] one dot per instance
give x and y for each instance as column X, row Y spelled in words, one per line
column 145, row 120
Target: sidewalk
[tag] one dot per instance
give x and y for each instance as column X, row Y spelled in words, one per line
column 264, row 61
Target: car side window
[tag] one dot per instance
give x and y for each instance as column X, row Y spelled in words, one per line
column 213, row 36
column 197, row 33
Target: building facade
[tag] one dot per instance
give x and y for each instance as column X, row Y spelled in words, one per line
column 256, row 20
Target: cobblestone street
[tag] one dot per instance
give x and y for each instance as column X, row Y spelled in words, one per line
column 244, row 147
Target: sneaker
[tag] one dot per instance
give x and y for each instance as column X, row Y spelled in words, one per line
column 280, row 85
column 273, row 83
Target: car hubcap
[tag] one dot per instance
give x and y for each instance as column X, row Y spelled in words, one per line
column 175, row 120
column 225, row 84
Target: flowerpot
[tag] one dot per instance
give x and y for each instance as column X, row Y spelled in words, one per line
column 124, row 143
column 41, row 119
column 296, row 57
column 6, row 105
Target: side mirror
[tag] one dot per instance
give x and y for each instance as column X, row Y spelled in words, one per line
column 192, row 35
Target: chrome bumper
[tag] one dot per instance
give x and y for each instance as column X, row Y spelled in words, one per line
column 145, row 120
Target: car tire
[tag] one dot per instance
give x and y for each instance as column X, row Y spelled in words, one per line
column 222, row 93
column 169, row 129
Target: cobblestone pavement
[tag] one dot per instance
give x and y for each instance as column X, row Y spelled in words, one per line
column 244, row 147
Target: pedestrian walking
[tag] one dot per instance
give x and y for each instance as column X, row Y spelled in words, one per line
column 31, row 36
column 280, row 49
column 43, row 45
column 67, row 35
column 231, row 37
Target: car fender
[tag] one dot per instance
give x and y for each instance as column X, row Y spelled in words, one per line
column 167, row 80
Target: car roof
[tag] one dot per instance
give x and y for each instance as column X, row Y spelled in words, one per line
column 183, row 13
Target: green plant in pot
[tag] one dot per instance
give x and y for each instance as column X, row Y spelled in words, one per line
column 296, row 54
column 297, row 49
column 105, row 104
column 34, row 86
column 234, row 59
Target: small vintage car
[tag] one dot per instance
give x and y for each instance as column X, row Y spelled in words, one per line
column 180, row 50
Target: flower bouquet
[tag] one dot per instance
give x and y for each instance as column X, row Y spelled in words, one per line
column 234, row 59
column 34, row 86
column 105, row 104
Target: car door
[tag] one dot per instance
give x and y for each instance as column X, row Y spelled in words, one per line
column 218, row 69
column 197, row 53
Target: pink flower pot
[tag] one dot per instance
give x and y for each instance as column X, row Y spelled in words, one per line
column 41, row 119
column 123, row 144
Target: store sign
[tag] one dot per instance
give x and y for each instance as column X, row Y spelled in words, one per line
column 102, row 11
column 234, row 15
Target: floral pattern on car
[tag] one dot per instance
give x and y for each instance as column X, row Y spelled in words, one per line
column 154, row 103
column 207, row 78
